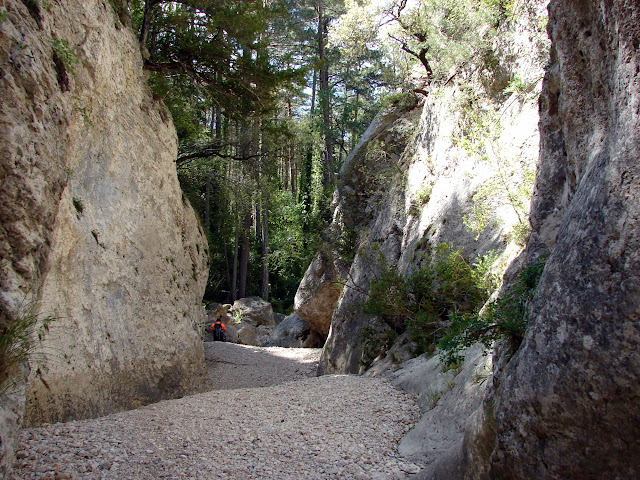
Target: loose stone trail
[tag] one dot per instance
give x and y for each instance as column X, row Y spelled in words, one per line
column 267, row 418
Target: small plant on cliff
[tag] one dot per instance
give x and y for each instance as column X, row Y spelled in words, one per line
column 505, row 318
column 63, row 51
column 78, row 205
column 18, row 340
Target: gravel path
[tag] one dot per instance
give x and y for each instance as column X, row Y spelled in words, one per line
column 240, row 366
column 330, row 427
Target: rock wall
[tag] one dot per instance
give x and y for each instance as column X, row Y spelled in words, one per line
column 93, row 220
column 566, row 406
column 32, row 177
column 410, row 182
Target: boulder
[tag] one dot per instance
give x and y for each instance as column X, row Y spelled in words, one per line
column 247, row 334
column 231, row 333
column 291, row 332
column 262, row 333
column 318, row 293
column 253, row 310
column 278, row 317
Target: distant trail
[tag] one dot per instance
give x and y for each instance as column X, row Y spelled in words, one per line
column 301, row 427
column 240, row 366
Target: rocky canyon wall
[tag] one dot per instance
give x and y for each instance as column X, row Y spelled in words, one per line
column 566, row 406
column 94, row 224
column 410, row 183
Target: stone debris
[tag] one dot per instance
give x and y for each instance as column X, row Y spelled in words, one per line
column 330, row 427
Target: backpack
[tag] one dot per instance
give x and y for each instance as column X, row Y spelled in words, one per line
column 218, row 334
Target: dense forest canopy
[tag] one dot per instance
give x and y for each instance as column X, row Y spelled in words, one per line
column 269, row 97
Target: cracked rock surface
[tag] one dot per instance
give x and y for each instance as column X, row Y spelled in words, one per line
column 267, row 418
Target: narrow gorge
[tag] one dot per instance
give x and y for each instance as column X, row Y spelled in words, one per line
column 516, row 168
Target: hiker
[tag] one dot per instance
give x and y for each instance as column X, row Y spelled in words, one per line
column 218, row 329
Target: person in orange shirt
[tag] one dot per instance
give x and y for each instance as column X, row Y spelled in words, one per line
column 218, row 330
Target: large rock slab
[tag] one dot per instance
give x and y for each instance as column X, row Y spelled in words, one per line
column 318, row 292
column 253, row 310
column 450, row 400
column 291, row 332
column 97, row 225
column 567, row 403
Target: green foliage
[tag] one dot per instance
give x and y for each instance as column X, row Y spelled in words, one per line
column 437, row 290
column 423, row 195
column 291, row 250
column 375, row 339
column 218, row 49
column 347, row 243
column 18, row 340
column 447, row 35
column 68, row 58
column 4, row 16
column 517, row 85
column 505, row 318
column 77, row 204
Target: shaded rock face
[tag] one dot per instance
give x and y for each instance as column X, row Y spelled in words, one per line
column 96, row 225
column 567, row 403
column 291, row 332
column 33, row 143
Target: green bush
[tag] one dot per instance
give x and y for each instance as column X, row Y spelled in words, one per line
column 505, row 318
column 18, row 340
column 376, row 339
column 438, row 289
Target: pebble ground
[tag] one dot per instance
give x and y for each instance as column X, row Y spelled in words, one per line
column 296, row 427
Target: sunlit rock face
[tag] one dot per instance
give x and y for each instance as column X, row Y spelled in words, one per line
column 405, row 188
column 94, row 222
column 318, row 293
column 567, row 403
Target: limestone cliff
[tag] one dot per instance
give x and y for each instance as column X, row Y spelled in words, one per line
column 566, row 406
column 93, row 220
column 410, row 184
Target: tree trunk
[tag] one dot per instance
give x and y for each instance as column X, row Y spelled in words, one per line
column 325, row 100
column 234, row 276
column 264, row 207
column 207, row 207
column 294, row 171
column 244, row 254
column 265, row 248
column 313, row 91
column 146, row 22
